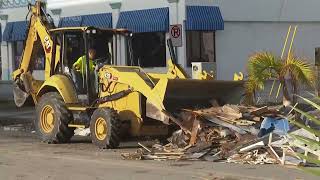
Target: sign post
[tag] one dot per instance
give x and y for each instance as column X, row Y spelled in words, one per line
column 176, row 35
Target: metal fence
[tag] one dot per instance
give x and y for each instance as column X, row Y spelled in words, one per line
column 5, row 4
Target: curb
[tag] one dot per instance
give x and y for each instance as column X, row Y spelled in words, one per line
column 18, row 128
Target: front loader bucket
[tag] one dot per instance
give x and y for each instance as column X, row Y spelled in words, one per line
column 189, row 93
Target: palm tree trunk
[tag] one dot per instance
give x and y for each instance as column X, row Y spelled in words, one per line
column 295, row 92
column 286, row 95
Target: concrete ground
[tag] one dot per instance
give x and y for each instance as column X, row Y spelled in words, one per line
column 23, row 157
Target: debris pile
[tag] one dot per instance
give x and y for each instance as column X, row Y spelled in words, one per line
column 211, row 134
column 232, row 134
column 252, row 157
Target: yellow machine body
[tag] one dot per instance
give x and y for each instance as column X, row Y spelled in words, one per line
column 160, row 91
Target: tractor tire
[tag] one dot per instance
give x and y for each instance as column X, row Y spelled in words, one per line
column 105, row 128
column 52, row 118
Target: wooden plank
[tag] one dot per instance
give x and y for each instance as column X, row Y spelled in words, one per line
column 224, row 124
column 260, row 111
column 194, row 132
column 232, row 111
column 177, row 121
column 242, row 122
column 169, row 153
column 144, row 147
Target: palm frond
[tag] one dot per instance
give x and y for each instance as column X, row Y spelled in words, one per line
column 307, row 115
column 310, row 102
column 300, row 125
column 300, row 70
column 263, row 65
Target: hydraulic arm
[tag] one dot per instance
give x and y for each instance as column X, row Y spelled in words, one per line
column 38, row 39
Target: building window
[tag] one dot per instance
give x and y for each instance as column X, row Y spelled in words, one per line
column 149, row 50
column 200, row 46
column 17, row 53
column 39, row 62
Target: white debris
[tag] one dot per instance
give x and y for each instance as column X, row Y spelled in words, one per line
column 82, row 131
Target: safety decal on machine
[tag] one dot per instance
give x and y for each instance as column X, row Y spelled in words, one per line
column 47, row 44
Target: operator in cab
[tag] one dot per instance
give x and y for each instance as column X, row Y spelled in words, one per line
column 79, row 70
column 80, row 64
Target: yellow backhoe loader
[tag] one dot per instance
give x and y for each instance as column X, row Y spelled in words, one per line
column 107, row 98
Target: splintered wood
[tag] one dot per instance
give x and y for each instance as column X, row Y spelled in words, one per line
column 233, row 114
column 208, row 134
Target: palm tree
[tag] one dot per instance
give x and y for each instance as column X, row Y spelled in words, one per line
column 264, row 66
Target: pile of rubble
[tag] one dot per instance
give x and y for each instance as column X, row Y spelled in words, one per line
column 230, row 134
column 213, row 134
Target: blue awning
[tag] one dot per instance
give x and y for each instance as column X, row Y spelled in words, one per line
column 19, row 30
column 15, row 31
column 6, row 36
column 148, row 20
column 103, row 20
column 98, row 20
column 73, row 21
column 204, row 18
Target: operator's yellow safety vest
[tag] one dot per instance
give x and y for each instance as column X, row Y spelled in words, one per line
column 82, row 63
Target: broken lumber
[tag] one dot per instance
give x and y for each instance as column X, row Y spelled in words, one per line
column 227, row 125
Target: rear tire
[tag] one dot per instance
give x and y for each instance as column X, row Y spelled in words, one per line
column 105, row 128
column 52, row 118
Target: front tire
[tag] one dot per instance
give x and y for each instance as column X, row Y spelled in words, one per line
column 52, row 118
column 105, row 128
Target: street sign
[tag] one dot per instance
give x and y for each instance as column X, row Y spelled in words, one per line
column 176, row 35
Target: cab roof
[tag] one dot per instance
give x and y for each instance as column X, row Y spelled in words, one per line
column 115, row 31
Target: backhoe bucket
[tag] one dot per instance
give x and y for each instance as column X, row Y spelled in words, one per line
column 189, row 93
column 20, row 96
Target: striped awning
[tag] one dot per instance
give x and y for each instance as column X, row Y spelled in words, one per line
column 19, row 31
column 6, row 36
column 204, row 18
column 98, row 20
column 103, row 20
column 15, row 31
column 148, row 20
column 72, row 21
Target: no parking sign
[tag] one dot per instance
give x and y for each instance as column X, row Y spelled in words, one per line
column 176, row 34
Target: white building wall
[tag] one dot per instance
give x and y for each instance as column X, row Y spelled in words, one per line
column 5, row 61
column 130, row 5
column 241, row 39
column 261, row 25
column 93, row 8
column 15, row 14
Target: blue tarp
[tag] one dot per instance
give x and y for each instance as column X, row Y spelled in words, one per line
column 279, row 126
